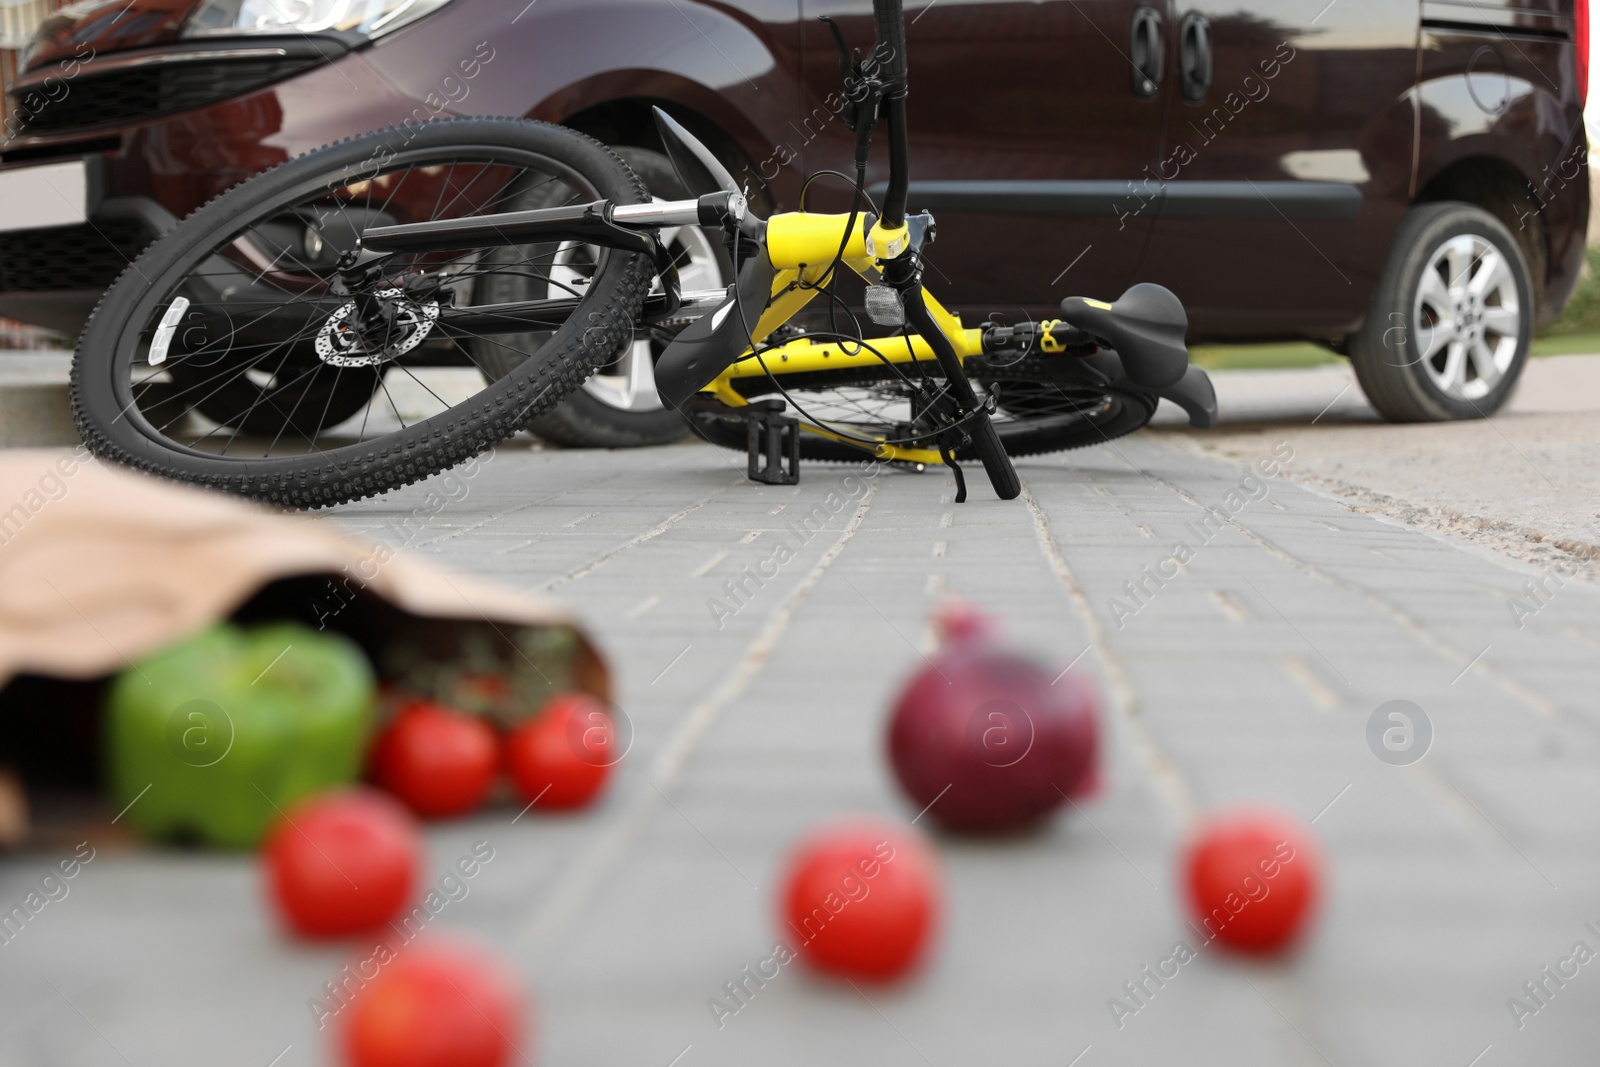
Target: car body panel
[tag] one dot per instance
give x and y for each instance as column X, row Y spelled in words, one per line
column 1497, row 82
column 154, row 173
column 1036, row 93
column 1047, row 174
column 106, row 26
column 1314, row 94
column 735, row 68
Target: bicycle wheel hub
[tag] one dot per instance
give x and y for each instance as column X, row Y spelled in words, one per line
column 344, row 342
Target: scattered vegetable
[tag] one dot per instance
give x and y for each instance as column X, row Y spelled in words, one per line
column 342, row 863
column 213, row 738
column 562, row 756
column 440, row 761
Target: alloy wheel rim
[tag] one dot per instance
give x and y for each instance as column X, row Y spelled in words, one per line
column 1468, row 317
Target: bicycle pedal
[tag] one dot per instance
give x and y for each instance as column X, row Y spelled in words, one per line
column 773, row 444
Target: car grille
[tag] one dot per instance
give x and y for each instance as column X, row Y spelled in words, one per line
column 144, row 92
column 70, row 257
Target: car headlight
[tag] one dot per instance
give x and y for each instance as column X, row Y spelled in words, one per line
column 368, row 18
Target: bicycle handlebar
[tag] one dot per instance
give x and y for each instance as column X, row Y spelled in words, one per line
column 889, row 50
column 891, row 37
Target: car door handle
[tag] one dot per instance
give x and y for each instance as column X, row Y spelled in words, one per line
column 1148, row 52
column 1194, row 56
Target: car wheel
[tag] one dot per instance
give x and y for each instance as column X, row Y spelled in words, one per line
column 618, row 407
column 1450, row 324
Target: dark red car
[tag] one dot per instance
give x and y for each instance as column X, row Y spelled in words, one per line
column 1406, row 182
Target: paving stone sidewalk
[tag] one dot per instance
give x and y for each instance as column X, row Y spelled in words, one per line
column 1248, row 672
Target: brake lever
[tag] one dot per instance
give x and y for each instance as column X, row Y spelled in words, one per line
column 850, row 70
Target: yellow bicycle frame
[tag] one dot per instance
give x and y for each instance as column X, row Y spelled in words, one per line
column 802, row 247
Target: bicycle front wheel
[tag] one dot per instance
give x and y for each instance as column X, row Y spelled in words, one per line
column 231, row 353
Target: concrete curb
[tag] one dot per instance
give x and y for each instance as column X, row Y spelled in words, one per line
column 35, row 409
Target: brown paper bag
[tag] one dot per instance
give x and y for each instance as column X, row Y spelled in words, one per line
column 101, row 566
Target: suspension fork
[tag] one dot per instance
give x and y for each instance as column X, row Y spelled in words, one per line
column 904, row 275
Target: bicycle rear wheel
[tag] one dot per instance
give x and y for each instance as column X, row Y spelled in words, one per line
column 1037, row 411
column 230, row 353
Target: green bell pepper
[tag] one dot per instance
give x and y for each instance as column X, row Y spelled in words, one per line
column 212, row 738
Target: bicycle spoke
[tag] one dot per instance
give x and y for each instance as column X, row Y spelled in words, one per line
column 396, row 407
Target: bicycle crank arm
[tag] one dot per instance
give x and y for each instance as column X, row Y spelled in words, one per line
column 520, row 316
column 589, row 223
column 598, row 223
column 712, row 343
column 523, row 316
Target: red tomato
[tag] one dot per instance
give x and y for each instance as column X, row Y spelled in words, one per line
column 1253, row 878
column 342, row 863
column 562, row 756
column 862, row 899
column 440, row 762
column 436, row 1005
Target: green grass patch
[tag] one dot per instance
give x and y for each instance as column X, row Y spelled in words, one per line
column 1261, row 357
column 1577, row 331
column 1567, row 344
column 1582, row 313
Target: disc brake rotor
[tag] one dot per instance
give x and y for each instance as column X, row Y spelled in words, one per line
column 340, row 344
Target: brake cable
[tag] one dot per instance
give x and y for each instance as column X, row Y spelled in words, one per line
column 827, row 284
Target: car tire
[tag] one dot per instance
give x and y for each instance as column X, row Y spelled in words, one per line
column 604, row 412
column 1451, row 322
